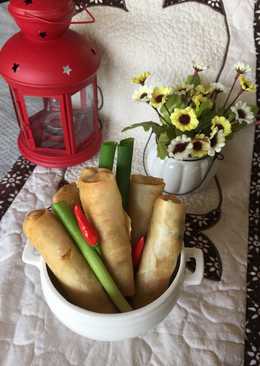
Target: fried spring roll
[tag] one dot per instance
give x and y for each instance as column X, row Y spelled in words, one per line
column 75, row 277
column 143, row 193
column 102, row 203
column 68, row 193
column 162, row 248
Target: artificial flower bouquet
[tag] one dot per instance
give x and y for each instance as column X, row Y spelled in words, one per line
column 194, row 121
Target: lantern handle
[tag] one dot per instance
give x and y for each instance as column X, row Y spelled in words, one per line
column 102, row 98
column 92, row 18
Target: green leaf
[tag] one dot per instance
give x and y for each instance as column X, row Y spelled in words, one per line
column 172, row 132
column 205, row 107
column 162, row 145
column 205, row 122
column 254, row 109
column 193, row 79
column 230, row 116
column 165, row 119
column 179, row 133
column 174, row 101
column 156, row 128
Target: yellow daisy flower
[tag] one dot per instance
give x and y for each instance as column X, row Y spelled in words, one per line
column 183, row 89
column 198, row 99
column 141, row 78
column 184, row 119
column 142, row 94
column 247, row 84
column 204, row 89
column 222, row 124
column 159, row 96
column 201, row 146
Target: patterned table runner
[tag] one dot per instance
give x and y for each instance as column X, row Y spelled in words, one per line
column 12, row 183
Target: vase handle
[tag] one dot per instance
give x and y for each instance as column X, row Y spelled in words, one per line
column 195, row 278
column 144, row 153
column 30, row 256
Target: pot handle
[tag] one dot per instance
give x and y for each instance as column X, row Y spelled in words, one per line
column 30, row 256
column 195, row 278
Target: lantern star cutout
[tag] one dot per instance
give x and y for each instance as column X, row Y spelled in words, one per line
column 67, row 70
column 15, row 67
column 43, row 34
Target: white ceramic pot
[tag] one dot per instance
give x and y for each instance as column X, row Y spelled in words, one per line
column 115, row 327
column 180, row 177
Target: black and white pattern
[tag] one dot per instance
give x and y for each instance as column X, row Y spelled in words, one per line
column 252, row 344
column 196, row 224
column 13, row 182
column 114, row 3
column 194, row 237
column 214, row 4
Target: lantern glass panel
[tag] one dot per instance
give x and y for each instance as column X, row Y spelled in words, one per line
column 44, row 116
column 83, row 104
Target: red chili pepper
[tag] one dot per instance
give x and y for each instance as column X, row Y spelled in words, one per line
column 137, row 251
column 87, row 229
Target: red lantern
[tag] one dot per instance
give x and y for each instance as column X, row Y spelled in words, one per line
column 51, row 72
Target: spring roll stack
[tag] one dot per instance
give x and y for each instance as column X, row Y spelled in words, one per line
column 75, row 277
column 102, row 203
column 143, row 193
column 162, row 248
column 160, row 217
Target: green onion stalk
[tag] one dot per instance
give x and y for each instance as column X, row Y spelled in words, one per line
column 65, row 214
column 124, row 166
column 107, row 155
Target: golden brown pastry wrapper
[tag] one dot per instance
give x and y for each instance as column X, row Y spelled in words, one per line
column 162, row 248
column 68, row 193
column 102, row 203
column 75, row 277
column 143, row 193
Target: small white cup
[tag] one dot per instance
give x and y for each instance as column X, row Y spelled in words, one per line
column 115, row 327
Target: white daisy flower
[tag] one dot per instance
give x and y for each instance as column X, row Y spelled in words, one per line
column 243, row 112
column 142, row 94
column 218, row 87
column 199, row 67
column 183, row 89
column 180, row 148
column 96, row 2
column 214, row 3
column 242, row 68
column 217, row 141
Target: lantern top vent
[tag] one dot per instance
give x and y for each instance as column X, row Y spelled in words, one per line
column 52, row 17
column 42, row 9
column 46, row 56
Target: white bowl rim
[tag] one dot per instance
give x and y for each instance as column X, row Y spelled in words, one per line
column 130, row 314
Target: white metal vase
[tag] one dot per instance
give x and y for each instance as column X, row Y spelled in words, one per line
column 180, row 176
